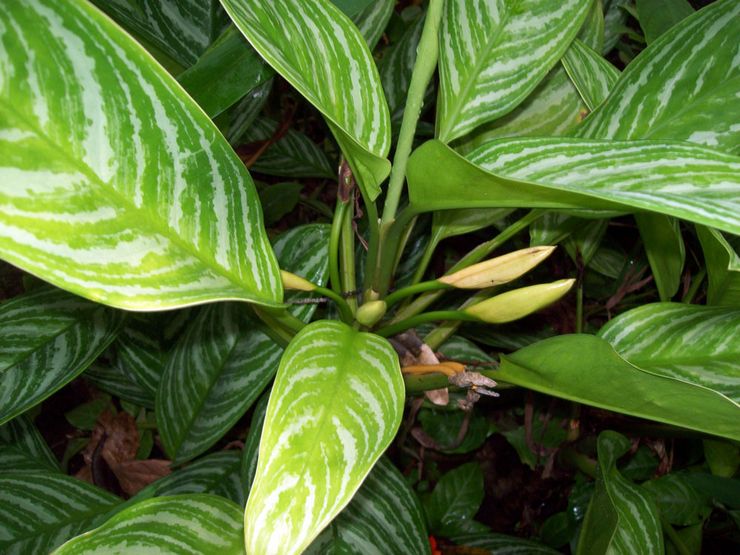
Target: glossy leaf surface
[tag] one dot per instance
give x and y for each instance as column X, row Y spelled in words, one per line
column 113, row 379
column 384, row 518
column 47, row 338
column 621, row 517
column 23, row 449
column 592, row 75
column 217, row 370
column 113, row 183
column 588, row 370
column 683, row 86
column 695, row 344
column 456, row 498
column 493, row 54
column 196, row 523
column 723, row 268
column 687, row 181
column 335, row 407
column 322, row 54
column 663, row 243
column 39, row 511
column 372, row 21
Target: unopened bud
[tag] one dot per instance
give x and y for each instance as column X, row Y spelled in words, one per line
column 296, row 283
column 496, row 271
column 519, row 303
column 370, row 313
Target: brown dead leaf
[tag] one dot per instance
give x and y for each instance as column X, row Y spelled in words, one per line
column 134, row 476
column 121, row 438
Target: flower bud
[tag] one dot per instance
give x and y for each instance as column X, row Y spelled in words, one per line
column 519, row 303
column 496, row 271
column 294, row 282
column 371, row 312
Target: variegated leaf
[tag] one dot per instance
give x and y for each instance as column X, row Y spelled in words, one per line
column 593, row 76
column 501, row 544
column 678, row 501
column 690, row 182
column 621, row 518
column 384, row 518
column 23, row 449
column 113, row 183
column 252, row 443
column 551, row 109
column 293, row 155
column 723, row 268
column 615, row 17
column 141, row 349
column 215, row 372
column 683, row 86
column 114, row 380
column 494, row 53
column 335, row 407
column 323, row 55
column 39, row 511
column 240, row 118
column 217, row 473
column 304, row 251
column 695, row 344
column 373, row 20
column 47, row 338
column 195, row 523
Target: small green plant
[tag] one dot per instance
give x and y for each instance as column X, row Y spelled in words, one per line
column 128, row 132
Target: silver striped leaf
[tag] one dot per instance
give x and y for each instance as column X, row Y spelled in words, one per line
column 372, row 21
column 335, row 407
column 242, row 115
column 47, row 338
column 586, row 369
column 215, row 372
column 252, row 443
column 195, row 523
column 593, row 76
column 319, row 51
column 494, row 53
column 683, row 86
column 384, row 518
column 615, row 17
column 113, row 182
column 217, row 474
column 723, row 268
column 678, row 501
column 678, row 179
column 304, row 251
column 293, row 155
column 621, row 517
column 114, row 380
column 501, row 544
column 39, row 511
column 141, row 349
column 23, row 449
column 553, row 108
column 699, row 345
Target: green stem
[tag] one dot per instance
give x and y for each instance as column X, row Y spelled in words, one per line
column 336, row 233
column 418, row 383
column 347, row 257
column 580, row 461
column 422, row 287
column 674, row 537
column 695, row 284
column 579, row 307
column 344, row 309
column 442, row 333
column 419, row 319
column 282, row 324
column 426, row 258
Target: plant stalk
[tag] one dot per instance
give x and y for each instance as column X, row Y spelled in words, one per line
column 336, row 232
column 419, row 319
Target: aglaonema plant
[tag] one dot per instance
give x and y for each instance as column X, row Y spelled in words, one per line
column 119, row 184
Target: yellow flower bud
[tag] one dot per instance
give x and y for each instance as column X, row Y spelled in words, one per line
column 371, row 312
column 519, row 303
column 297, row 283
column 496, row 271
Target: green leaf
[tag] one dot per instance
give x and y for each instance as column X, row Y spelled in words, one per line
column 112, row 379
column 492, row 55
column 293, row 155
column 304, row 251
column 678, row 179
column 384, row 517
column 252, row 443
column 657, row 16
column 180, row 28
column 615, row 17
column 455, row 499
column 586, row 369
column 228, row 70
column 445, row 426
column 215, row 372
column 217, row 473
column 621, row 518
column 593, row 76
column 683, row 86
column 39, row 511
column 449, row 223
column 279, row 200
column 501, row 544
column 678, row 501
column 47, row 339
column 85, row 416
column 351, row 7
column 722, row 457
column 141, row 350
column 373, row 20
column 240, row 117
column 335, row 407
column 721, row 490
column 661, row 237
column 22, row 449
column 319, row 51
column 723, row 268
column 115, row 184
column 699, row 345
column 196, row 523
